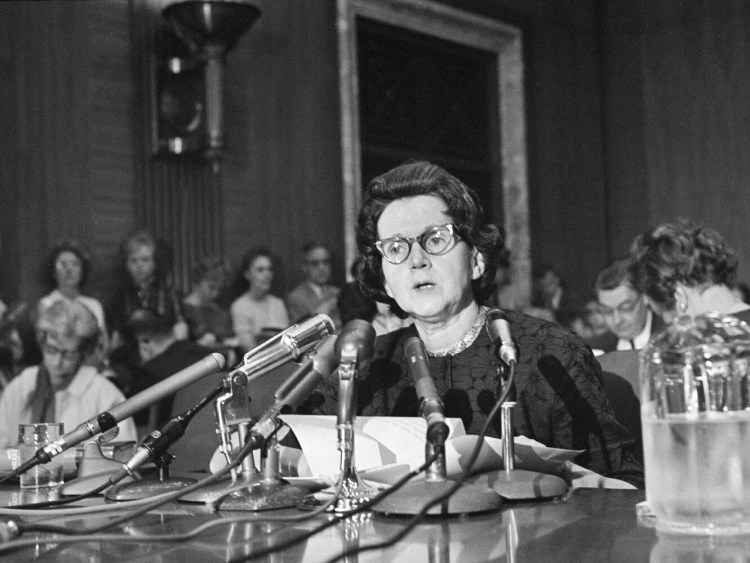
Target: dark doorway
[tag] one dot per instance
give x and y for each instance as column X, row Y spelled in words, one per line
column 423, row 97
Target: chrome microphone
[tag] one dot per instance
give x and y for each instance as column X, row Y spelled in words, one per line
column 354, row 348
column 109, row 419
column 497, row 324
column 295, row 389
column 430, row 405
column 287, row 345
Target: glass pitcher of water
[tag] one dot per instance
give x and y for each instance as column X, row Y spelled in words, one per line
column 695, row 412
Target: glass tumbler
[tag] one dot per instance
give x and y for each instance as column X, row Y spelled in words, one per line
column 31, row 437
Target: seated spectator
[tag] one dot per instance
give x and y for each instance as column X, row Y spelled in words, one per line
column 550, row 299
column 257, row 314
column 145, row 285
column 62, row 388
column 162, row 355
column 590, row 322
column 65, row 273
column 11, row 347
column 209, row 323
column 315, row 294
column 506, row 295
column 742, row 291
column 630, row 321
column 687, row 269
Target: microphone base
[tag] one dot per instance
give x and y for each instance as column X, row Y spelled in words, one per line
column 519, row 484
column 213, row 492
column 146, row 488
column 353, row 494
column 413, row 496
column 264, row 495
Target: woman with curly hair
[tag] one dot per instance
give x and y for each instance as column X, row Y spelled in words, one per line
column 686, row 269
column 428, row 253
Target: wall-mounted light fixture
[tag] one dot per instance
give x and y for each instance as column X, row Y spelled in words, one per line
column 188, row 90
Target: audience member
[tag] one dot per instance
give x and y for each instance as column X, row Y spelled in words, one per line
column 11, row 347
column 145, row 285
column 209, row 323
column 315, row 295
column 430, row 255
column 352, row 303
column 162, row 355
column 257, row 314
column 507, row 295
column 61, row 388
column 65, row 273
column 742, row 290
column 590, row 322
column 629, row 319
column 686, row 269
column 550, row 299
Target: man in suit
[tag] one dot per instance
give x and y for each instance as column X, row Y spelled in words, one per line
column 314, row 295
column 629, row 319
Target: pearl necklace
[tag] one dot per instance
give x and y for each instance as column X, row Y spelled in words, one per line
column 466, row 340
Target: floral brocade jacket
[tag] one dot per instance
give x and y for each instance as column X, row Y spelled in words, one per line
column 560, row 400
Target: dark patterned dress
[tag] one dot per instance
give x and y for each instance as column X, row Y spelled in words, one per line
column 560, row 398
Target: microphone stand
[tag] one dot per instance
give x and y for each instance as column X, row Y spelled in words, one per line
column 410, row 499
column 353, row 491
column 146, row 488
column 518, row 484
column 269, row 492
column 232, row 410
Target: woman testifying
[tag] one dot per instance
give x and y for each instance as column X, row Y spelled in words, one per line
column 429, row 254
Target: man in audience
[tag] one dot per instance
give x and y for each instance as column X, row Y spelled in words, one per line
column 629, row 319
column 62, row 388
column 314, row 295
column 162, row 355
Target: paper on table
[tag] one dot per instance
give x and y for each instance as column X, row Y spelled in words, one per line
column 400, row 441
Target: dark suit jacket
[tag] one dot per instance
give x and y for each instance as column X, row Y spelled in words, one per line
column 608, row 341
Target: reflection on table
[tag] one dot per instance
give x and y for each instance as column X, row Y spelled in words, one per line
column 590, row 525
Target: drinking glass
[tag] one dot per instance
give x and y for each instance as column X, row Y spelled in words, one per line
column 31, row 437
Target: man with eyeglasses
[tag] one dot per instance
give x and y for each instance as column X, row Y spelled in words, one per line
column 63, row 388
column 629, row 319
column 315, row 295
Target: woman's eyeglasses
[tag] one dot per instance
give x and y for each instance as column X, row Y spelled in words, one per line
column 435, row 241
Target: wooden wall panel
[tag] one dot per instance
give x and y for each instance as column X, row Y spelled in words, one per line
column 682, row 137
column 282, row 179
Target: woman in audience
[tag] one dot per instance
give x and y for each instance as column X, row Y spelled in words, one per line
column 209, row 323
column 430, row 255
column 686, row 269
column 257, row 314
column 65, row 273
column 62, row 388
column 145, row 285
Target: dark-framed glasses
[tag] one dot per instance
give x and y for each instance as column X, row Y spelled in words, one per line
column 435, row 241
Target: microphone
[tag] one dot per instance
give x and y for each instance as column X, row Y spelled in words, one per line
column 287, row 345
column 354, row 347
column 109, row 419
column 497, row 324
column 431, row 407
column 159, row 440
column 295, row 389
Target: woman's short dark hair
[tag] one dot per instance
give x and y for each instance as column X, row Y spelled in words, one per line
column 680, row 252
column 65, row 245
column 425, row 178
